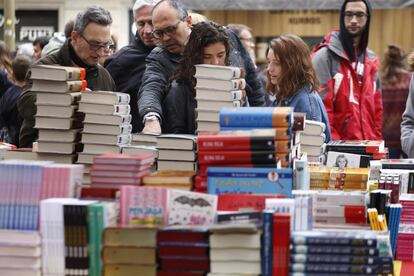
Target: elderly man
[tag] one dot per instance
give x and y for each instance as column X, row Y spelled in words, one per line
column 128, row 65
column 90, row 39
column 172, row 27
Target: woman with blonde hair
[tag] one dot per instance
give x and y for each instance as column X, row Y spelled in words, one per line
column 292, row 79
column 6, row 70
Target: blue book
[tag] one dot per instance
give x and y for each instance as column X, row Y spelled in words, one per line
column 267, row 244
column 270, row 117
column 249, row 181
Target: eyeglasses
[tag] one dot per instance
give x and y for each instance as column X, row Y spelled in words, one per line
column 96, row 46
column 170, row 30
column 358, row 15
column 248, row 39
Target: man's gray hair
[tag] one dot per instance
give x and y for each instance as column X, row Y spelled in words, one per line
column 139, row 4
column 177, row 6
column 92, row 14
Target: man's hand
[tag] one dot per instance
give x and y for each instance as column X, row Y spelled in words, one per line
column 152, row 127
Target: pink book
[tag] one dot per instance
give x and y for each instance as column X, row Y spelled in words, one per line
column 143, row 205
column 60, row 180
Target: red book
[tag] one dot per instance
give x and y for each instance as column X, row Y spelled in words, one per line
column 241, row 142
column 180, row 273
column 183, row 251
column 124, row 159
column 201, row 182
column 281, row 242
column 92, row 192
column 238, row 202
column 183, row 235
column 185, row 264
column 244, row 157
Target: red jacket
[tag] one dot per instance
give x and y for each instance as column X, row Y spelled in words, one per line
column 354, row 110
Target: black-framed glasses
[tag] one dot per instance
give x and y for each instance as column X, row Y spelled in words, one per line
column 96, row 46
column 358, row 15
column 170, row 30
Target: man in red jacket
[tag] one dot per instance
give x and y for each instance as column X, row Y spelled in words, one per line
column 349, row 76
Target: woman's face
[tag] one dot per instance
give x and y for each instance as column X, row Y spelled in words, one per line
column 274, row 68
column 214, row 54
column 341, row 162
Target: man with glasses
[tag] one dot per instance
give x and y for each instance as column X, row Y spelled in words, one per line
column 90, row 40
column 172, row 27
column 128, row 65
column 348, row 73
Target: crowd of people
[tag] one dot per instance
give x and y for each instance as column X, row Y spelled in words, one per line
column 338, row 82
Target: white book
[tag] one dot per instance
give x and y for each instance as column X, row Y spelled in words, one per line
column 234, row 254
column 176, row 165
column 107, row 119
column 101, row 149
column 226, row 85
column 107, row 129
column 218, row 95
column 349, row 160
column 207, row 116
column 235, row 240
column 105, row 97
column 177, row 141
column 314, row 127
column 218, row 72
column 56, row 110
column 106, row 109
column 177, row 155
column 208, row 126
column 92, row 138
column 239, row 267
column 216, row 105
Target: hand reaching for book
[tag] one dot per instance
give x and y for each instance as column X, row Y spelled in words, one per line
column 152, row 127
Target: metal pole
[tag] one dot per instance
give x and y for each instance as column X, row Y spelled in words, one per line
column 9, row 21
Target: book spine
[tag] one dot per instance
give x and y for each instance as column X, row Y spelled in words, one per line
column 339, row 259
column 249, row 157
column 76, row 86
column 301, row 175
column 334, row 241
column 338, row 268
column 226, row 142
column 257, row 118
column 267, row 244
column 239, row 216
column 121, row 109
column 335, row 250
column 123, row 98
column 281, row 236
column 74, row 73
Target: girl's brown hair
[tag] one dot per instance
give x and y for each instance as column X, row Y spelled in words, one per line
column 393, row 67
column 297, row 70
column 5, row 59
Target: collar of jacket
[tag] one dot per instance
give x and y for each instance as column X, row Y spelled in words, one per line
column 288, row 101
column 139, row 44
column 91, row 70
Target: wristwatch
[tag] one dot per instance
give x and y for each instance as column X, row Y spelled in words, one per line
column 151, row 118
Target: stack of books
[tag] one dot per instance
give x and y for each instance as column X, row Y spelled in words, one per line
column 64, row 229
column 278, row 120
column 107, row 127
column 130, row 251
column 332, row 178
column 340, row 209
column 405, row 240
column 112, row 170
column 177, row 152
column 235, row 249
column 183, row 250
column 142, row 143
column 58, row 92
column 217, row 87
column 20, row 253
column 333, row 252
column 312, row 140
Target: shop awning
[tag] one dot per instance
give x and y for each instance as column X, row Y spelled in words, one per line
column 286, row 4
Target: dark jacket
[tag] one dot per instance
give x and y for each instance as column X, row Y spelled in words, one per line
column 9, row 113
column 126, row 68
column 96, row 76
column 179, row 109
column 311, row 104
column 5, row 83
column 161, row 65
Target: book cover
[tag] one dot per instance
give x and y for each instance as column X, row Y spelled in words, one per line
column 177, row 141
column 243, row 202
column 257, row 117
column 226, row 157
column 107, row 119
column 58, row 99
column 219, row 95
column 342, row 159
column 356, row 146
column 124, row 159
column 106, row 109
column 143, row 205
column 186, row 207
column 249, row 181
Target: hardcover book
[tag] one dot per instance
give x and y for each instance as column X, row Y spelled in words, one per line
column 57, row 73
column 342, row 159
column 218, row 72
column 257, row 117
column 59, row 86
column 105, row 97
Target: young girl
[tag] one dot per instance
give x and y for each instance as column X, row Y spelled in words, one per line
column 207, row 44
column 292, row 79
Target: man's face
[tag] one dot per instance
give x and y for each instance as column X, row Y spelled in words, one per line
column 143, row 21
column 171, row 31
column 93, row 43
column 355, row 17
column 37, row 52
